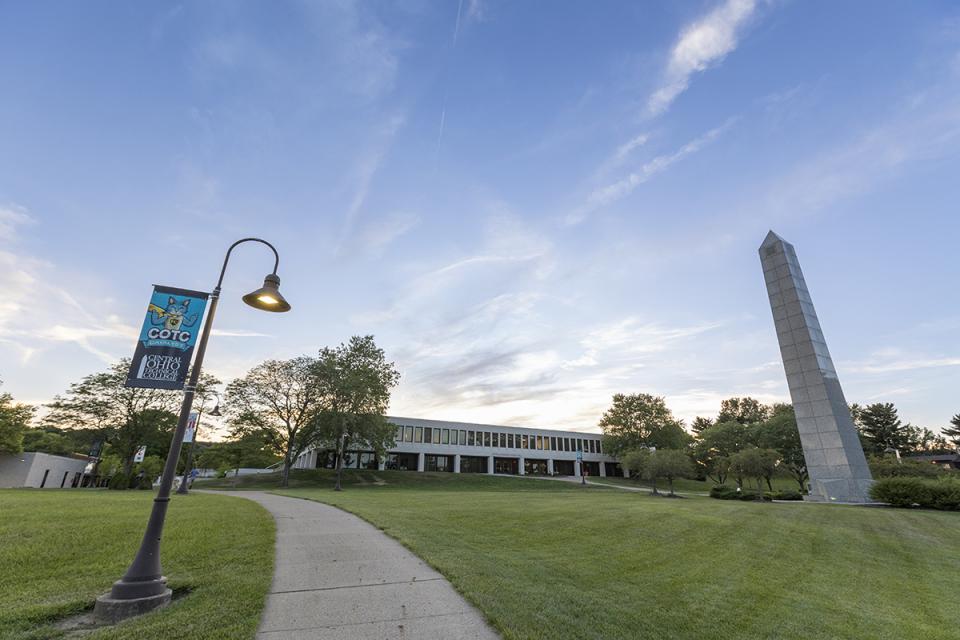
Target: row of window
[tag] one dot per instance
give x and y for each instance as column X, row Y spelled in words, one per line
column 465, row 437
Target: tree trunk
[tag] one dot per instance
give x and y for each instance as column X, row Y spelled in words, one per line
column 670, row 480
column 285, row 474
column 655, row 492
column 769, row 486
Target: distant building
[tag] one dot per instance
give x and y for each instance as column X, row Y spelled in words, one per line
column 40, row 470
column 459, row 447
column 946, row 460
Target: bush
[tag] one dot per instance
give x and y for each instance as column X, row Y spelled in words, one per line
column 786, row 494
column 907, row 492
column 144, row 482
column 723, row 492
column 890, row 468
column 119, row 481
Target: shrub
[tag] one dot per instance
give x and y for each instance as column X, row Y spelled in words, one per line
column 119, row 481
column 890, row 468
column 907, row 492
column 786, row 494
column 723, row 492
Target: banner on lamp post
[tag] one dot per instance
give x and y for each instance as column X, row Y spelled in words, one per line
column 169, row 333
column 140, row 454
column 191, row 427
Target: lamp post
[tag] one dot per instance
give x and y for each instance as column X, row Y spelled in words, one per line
column 143, row 587
column 182, row 489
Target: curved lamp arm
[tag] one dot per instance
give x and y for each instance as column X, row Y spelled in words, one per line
column 226, row 258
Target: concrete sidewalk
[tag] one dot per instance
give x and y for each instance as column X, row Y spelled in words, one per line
column 338, row 577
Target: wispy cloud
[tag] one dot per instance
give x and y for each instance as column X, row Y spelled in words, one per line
column 701, row 44
column 610, row 193
column 11, row 217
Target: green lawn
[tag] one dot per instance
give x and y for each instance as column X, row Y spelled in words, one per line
column 59, row 550
column 683, row 485
column 548, row 559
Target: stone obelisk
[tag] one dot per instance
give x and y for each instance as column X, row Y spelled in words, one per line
column 835, row 461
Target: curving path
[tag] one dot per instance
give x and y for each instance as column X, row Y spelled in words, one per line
column 338, row 577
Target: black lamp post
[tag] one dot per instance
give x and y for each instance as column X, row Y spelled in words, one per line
column 143, row 587
column 182, row 489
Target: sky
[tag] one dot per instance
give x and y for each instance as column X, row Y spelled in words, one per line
column 531, row 206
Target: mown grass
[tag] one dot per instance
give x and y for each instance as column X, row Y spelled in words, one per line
column 546, row 559
column 684, row 485
column 59, row 550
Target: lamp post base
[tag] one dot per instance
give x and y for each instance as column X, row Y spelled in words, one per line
column 110, row 610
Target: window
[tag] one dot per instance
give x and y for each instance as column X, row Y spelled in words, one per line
column 486, row 438
column 470, row 438
column 566, row 444
column 510, row 441
column 600, row 448
column 418, row 435
column 463, row 437
column 445, row 438
column 553, row 443
column 579, row 444
column 436, row 436
column 539, row 442
column 503, row 440
column 427, row 434
column 524, row 442
column 408, row 434
column 399, row 436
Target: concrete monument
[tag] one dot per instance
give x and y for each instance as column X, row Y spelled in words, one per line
column 838, row 469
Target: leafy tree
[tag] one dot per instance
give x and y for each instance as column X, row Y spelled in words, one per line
column 661, row 463
column 754, row 462
column 743, row 410
column 715, row 446
column 47, row 440
column 126, row 417
column 281, row 400
column 14, row 420
column 641, row 420
column 882, row 429
column 699, row 424
column 952, row 433
column 355, row 380
column 251, row 449
column 780, row 434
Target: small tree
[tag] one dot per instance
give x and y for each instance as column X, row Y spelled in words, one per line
column 754, row 462
column 652, row 465
column 641, row 420
column 14, row 420
column 355, row 380
column 699, row 424
column 281, row 400
column 715, row 446
column 882, row 428
column 780, row 434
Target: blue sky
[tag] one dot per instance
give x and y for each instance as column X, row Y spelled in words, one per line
column 531, row 206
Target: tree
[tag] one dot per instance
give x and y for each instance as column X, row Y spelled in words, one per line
column 355, row 380
column 743, row 410
column 700, row 424
column 754, row 462
column 250, row 449
column 882, row 429
column 281, row 400
column 661, row 463
column 952, row 433
column 640, row 420
column 780, row 434
column 14, row 420
column 716, row 444
column 47, row 440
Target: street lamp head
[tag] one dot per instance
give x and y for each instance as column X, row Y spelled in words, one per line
column 216, row 411
column 268, row 297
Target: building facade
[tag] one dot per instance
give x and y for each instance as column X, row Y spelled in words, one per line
column 41, row 471
column 460, row 447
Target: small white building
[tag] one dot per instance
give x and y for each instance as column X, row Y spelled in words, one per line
column 459, row 447
column 40, row 470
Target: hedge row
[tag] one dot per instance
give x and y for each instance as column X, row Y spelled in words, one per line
column 909, row 492
column 723, row 492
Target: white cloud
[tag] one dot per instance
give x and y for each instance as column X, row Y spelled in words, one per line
column 11, row 217
column 623, row 187
column 700, row 45
column 378, row 234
